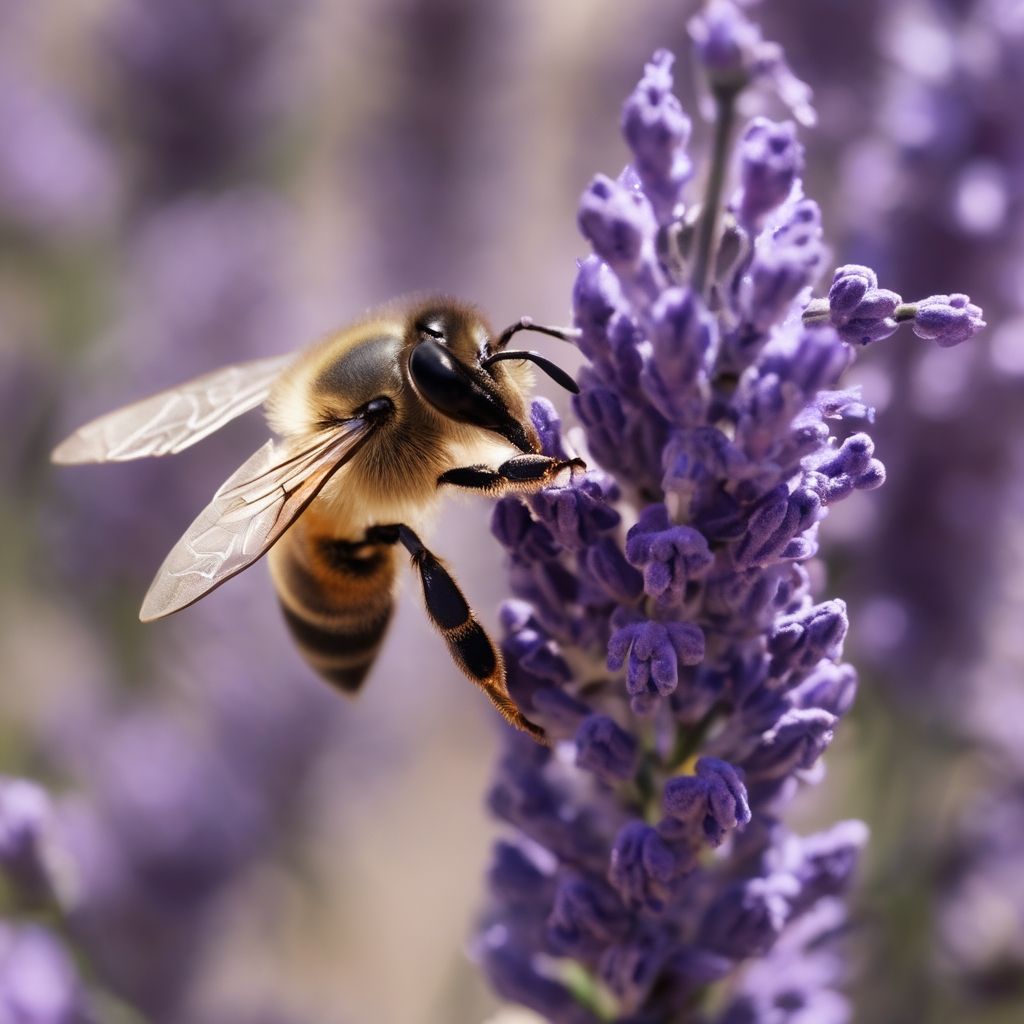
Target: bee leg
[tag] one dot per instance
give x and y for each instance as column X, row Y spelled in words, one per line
column 468, row 643
column 522, row 473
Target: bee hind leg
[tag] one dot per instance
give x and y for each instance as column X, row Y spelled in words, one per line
column 467, row 641
column 522, row 473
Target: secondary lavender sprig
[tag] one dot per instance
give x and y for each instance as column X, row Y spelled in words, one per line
column 39, row 981
column 666, row 630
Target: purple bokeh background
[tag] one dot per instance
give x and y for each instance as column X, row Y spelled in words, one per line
column 188, row 184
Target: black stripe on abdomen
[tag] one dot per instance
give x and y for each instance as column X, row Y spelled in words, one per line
column 344, row 653
column 336, row 600
column 357, row 638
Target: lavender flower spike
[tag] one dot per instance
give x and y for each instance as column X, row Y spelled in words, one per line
column 665, row 629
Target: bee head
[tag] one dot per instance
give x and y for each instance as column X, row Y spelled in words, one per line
column 444, row 365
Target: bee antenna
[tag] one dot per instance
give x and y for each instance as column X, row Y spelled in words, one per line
column 555, row 372
column 525, row 323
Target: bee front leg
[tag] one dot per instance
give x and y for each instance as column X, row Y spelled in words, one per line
column 522, row 473
column 467, row 641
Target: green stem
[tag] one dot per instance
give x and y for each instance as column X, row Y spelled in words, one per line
column 707, row 228
column 689, row 740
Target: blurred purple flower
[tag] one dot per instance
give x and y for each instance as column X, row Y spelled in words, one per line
column 26, row 840
column 57, row 179
column 38, row 980
column 200, row 82
column 980, row 934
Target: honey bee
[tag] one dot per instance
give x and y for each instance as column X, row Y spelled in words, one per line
column 372, row 422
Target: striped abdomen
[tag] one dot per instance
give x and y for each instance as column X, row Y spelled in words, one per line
column 336, row 597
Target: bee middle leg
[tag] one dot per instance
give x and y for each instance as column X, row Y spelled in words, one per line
column 522, row 473
column 467, row 641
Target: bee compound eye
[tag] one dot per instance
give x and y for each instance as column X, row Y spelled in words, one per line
column 448, row 386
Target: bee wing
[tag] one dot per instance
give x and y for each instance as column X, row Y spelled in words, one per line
column 171, row 421
column 249, row 513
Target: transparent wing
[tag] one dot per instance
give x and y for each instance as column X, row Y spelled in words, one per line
column 249, row 513
column 172, row 420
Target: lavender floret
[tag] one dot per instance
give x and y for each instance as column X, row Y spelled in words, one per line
column 657, row 130
column 666, row 630
column 771, row 158
column 947, row 319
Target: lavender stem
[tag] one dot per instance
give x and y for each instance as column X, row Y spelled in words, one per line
column 725, row 116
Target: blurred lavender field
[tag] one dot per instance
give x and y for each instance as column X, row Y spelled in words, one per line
column 185, row 185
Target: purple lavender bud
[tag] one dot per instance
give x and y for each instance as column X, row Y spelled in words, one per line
column 606, row 749
column 600, row 411
column 697, row 967
column 682, row 334
column 784, row 263
column 748, row 917
column 630, row 968
column 671, row 557
column 815, row 361
column 520, row 533
column 850, row 468
column 735, row 55
column 561, row 713
column 694, row 459
column 800, row 641
column 861, row 311
column 626, row 340
column 710, row 803
column 655, row 651
column 791, row 370
column 849, row 286
column 544, row 661
column 548, row 424
column 527, row 540
column 596, row 297
column 521, row 797
column 514, row 976
column 610, row 569
column 578, row 513
column 826, row 862
column 829, row 686
column 587, row 915
column 947, row 320
column 38, row 980
column 726, row 43
column 643, row 867
column 771, row 158
column 799, row 975
column 796, row 742
column 774, row 524
column 657, row 130
column 620, row 225
column 528, row 647
column 514, row 874
column 748, row 593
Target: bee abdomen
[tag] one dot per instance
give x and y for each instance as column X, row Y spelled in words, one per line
column 336, row 598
